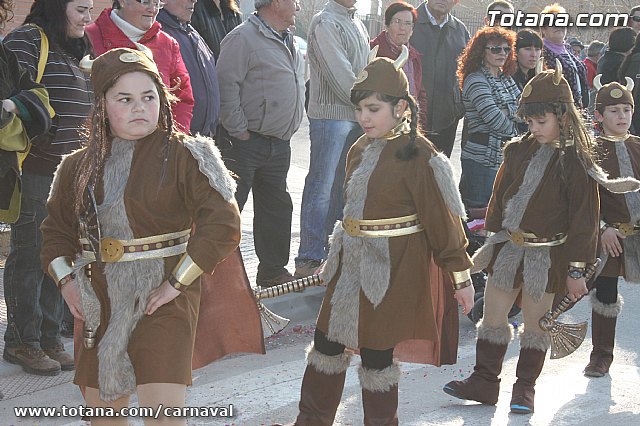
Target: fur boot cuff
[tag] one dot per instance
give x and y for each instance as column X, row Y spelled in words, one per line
column 327, row 364
column 379, row 380
column 538, row 341
column 495, row 335
column 608, row 310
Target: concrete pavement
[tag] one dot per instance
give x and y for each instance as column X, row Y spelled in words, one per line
column 265, row 389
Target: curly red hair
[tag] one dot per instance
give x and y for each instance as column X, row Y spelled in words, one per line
column 473, row 55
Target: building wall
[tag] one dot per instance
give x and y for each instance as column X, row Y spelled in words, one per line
column 21, row 10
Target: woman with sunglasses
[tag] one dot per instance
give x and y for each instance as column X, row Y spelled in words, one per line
column 134, row 21
column 399, row 19
column 490, row 97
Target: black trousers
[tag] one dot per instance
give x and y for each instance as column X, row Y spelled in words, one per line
column 261, row 165
column 607, row 289
column 444, row 139
column 371, row 359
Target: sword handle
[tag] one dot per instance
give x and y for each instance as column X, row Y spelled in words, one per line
column 566, row 301
column 288, row 287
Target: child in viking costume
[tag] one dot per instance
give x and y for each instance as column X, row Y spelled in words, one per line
column 619, row 219
column 544, row 216
column 402, row 206
column 118, row 238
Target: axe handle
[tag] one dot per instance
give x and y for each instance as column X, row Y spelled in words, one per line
column 566, row 301
column 288, row 287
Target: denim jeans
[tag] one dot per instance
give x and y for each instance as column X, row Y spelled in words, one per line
column 261, row 164
column 324, row 183
column 476, row 184
column 34, row 304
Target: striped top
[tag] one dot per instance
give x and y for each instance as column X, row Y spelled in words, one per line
column 70, row 95
column 490, row 104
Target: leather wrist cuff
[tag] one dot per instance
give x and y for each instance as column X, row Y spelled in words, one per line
column 603, row 226
column 577, row 265
column 59, row 268
column 185, row 273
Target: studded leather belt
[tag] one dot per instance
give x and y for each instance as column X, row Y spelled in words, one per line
column 153, row 247
column 527, row 239
column 393, row 227
column 627, row 229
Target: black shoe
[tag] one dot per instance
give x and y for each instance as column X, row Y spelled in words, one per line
column 285, row 277
column 66, row 329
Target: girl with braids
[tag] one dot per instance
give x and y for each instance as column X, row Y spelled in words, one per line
column 119, row 245
column 543, row 214
column 402, row 208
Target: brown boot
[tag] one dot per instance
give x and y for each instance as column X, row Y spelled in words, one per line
column 32, row 360
column 533, row 349
column 58, row 353
column 380, row 395
column 322, row 386
column 603, row 332
column 484, row 385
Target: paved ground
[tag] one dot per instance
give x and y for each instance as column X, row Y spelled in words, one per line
column 265, row 389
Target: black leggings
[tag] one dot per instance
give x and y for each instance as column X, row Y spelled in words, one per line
column 607, row 289
column 371, row 359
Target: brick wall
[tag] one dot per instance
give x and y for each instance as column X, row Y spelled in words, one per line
column 21, row 10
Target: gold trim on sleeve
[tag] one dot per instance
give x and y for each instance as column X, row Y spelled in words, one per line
column 461, row 276
column 577, row 264
column 60, row 267
column 185, row 272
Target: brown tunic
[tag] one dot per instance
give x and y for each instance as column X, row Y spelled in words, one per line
column 399, row 188
column 613, row 207
column 566, row 201
column 161, row 345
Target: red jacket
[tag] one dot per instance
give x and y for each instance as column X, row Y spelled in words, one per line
column 384, row 50
column 105, row 35
column 592, row 68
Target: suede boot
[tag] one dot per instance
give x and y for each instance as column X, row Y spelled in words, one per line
column 484, row 385
column 533, row 349
column 322, row 386
column 380, row 395
column 603, row 335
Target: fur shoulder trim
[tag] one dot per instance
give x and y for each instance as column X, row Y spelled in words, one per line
column 73, row 158
column 443, row 172
column 617, row 186
column 211, row 165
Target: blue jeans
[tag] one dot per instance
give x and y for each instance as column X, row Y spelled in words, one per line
column 34, row 304
column 322, row 199
column 262, row 164
column 476, row 184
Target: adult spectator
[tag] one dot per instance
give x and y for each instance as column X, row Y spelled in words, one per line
column 34, row 304
column 199, row 61
column 634, row 18
column 490, row 98
column 440, row 37
column 572, row 67
column 621, row 41
column 575, row 46
column 261, row 75
column 134, row 21
column 213, row 19
column 338, row 46
column 631, row 68
column 528, row 52
column 594, row 53
column 399, row 19
column 499, row 6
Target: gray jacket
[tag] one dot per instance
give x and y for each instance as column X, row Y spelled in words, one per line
column 261, row 82
column 338, row 47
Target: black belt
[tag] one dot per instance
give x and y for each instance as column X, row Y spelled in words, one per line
column 482, row 138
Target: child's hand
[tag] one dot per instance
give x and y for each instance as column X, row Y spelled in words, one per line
column 464, row 297
column 576, row 288
column 160, row 296
column 610, row 242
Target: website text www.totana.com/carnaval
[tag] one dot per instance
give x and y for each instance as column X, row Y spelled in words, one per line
column 154, row 412
column 525, row 19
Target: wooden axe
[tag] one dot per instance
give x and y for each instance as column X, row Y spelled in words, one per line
column 270, row 321
column 566, row 338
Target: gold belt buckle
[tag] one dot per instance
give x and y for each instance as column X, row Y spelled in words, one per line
column 111, row 250
column 626, row 229
column 517, row 238
column 351, row 226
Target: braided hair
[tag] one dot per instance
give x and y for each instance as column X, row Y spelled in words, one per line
column 409, row 150
column 98, row 138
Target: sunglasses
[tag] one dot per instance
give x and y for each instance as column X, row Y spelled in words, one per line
column 155, row 3
column 497, row 49
column 636, row 18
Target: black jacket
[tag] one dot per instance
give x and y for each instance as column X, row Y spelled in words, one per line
column 440, row 48
column 207, row 21
column 608, row 66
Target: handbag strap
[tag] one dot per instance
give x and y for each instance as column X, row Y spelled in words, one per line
column 44, row 53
